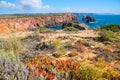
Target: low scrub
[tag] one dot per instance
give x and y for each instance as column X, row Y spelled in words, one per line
column 41, row 30
column 47, row 68
column 111, row 27
column 11, row 68
column 98, row 71
column 13, row 44
column 44, row 46
column 59, row 48
column 106, row 35
column 67, row 28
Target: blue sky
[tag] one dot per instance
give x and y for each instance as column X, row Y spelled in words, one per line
column 57, row 6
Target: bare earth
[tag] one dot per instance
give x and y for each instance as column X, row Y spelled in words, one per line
column 53, row 35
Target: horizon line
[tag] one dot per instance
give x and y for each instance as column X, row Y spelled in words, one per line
column 58, row 13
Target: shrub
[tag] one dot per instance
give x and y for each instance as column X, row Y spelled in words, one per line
column 11, row 68
column 60, row 50
column 96, row 71
column 41, row 30
column 68, row 45
column 106, row 35
column 70, row 29
column 111, row 27
column 44, row 46
column 13, row 44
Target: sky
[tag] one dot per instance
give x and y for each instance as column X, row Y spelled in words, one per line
column 59, row 6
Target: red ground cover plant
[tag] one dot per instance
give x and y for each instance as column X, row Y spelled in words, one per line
column 43, row 65
column 39, row 72
column 108, row 50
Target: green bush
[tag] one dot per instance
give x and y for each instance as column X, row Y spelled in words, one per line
column 106, row 35
column 11, row 68
column 44, row 46
column 68, row 45
column 97, row 71
column 68, row 28
column 41, row 30
column 111, row 27
column 59, row 47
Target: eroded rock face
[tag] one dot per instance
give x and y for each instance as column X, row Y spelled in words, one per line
column 88, row 19
column 80, row 26
column 23, row 24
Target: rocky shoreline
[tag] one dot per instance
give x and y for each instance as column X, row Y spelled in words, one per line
column 30, row 23
column 23, row 24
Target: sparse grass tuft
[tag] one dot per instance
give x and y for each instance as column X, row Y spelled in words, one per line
column 60, row 50
column 12, row 44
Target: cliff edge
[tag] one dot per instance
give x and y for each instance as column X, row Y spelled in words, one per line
column 23, row 24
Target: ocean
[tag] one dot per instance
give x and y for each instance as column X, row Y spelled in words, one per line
column 101, row 19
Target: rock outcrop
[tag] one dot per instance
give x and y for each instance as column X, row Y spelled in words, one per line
column 88, row 19
column 80, row 26
column 23, row 24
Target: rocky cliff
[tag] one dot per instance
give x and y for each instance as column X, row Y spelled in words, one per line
column 79, row 25
column 23, row 24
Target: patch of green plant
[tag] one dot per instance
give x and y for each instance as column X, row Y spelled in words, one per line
column 70, row 28
column 111, row 27
column 68, row 45
column 11, row 68
column 59, row 47
column 13, row 44
column 41, row 29
column 97, row 71
column 106, row 35
column 44, row 46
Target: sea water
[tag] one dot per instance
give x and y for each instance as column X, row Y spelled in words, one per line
column 101, row 19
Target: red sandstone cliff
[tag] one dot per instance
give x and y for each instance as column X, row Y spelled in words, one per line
column 23, row 24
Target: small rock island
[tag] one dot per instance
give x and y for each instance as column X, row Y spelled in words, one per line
column 88, row 19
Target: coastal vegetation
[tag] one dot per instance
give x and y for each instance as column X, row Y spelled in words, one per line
column 70, row 28
column 41, row 30
column 108, row 32
column 57, row 55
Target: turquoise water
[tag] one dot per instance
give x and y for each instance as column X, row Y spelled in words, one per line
column 59, row 27
column 101, row 19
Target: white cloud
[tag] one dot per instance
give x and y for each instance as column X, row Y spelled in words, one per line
column 24, row 5
column 6, row 5
column 32, row 4
column 37, row 6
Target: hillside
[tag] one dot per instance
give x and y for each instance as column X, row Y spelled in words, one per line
column 67, row 54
